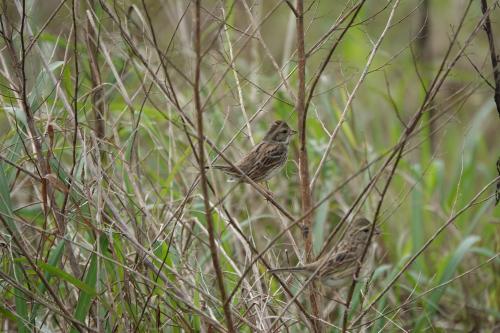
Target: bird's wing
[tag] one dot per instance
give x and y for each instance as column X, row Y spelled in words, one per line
column 342, row 258
column 264, row 158
column 244, row 164
column 250, row 159
column 342, row 264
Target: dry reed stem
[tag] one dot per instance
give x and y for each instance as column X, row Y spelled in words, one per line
column 204, row 186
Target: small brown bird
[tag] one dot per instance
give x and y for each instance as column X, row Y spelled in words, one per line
column 337, row 271
column 265, row 159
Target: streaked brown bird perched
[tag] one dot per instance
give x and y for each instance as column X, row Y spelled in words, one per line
column 338, row 269
column 266, row 159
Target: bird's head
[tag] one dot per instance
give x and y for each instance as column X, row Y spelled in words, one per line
column 279, row 132
column 361, row 229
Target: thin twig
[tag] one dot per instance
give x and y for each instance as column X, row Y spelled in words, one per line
column 292, row 8
column 203, row 177
column 352, row 95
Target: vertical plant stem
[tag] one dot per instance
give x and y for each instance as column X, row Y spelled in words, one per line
column 305, row 190
column 37, row 145
column 203, row 176
column 302, row 115
column 98, row 99
column 75, row 105
column 236, row 78
column 493, row 54
column 424, row 44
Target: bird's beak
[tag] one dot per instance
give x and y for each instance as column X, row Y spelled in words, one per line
column 293, row 132
column 376, row 231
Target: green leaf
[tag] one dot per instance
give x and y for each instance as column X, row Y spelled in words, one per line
column 452, row 265
column 5, row 202
column 42, row 85
column 6, row 215
column 417, row 226
column 85, row 299
column 7, row 313
column 446, row 274
column 20, row 301
column 54, row 271
column 176, row 168
column 54, row 258
column 17, row 113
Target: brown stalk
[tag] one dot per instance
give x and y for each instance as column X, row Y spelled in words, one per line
column 98, row 105
column 20, row 89
column 75, row 105
column 493, row 54
column 203, row 176
column 174, row 291
column 305, row 190
column 302, row 117
column 20, row 168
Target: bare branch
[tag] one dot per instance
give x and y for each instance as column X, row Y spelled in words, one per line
column 493, row 54
column 203, row 177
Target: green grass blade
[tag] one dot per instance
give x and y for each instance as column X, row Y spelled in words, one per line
column 5, row 202
column 85, row 299
column 54, row 258
column 450, row 267
column 20, row 301
column 54, row 271
column 6, row 313
column 7, row 214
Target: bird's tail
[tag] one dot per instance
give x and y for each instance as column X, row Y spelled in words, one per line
column 219, row 167
column 287, row 269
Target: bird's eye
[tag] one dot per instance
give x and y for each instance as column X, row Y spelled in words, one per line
column 365, row 230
